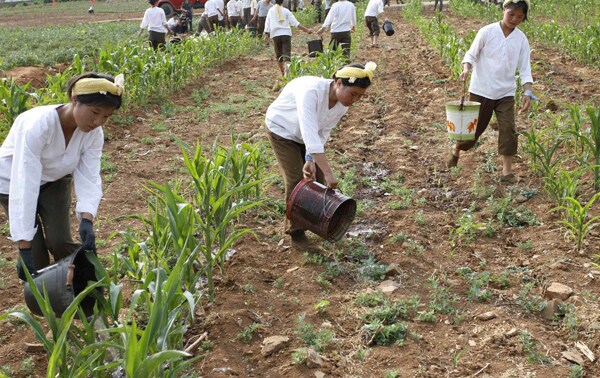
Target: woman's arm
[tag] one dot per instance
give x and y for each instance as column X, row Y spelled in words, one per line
column 310, row 170
column 25, row 179
column 87, row 180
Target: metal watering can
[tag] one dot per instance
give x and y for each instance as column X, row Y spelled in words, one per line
column 323, row 211
column 64, row 281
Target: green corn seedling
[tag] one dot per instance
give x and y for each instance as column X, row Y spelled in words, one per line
column 578, row 220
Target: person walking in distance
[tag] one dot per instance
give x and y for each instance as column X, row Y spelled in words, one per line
column 156, row 23
column 342, row 21
column 372, row 12
column 260, row 14
column 278, row 27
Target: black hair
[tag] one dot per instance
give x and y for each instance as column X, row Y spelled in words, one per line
column 519, row 5
column 152, row 2
column 362, row 82
column 279, row 2
column 100, row 99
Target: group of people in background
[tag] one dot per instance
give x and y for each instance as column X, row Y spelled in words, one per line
column 272, row 19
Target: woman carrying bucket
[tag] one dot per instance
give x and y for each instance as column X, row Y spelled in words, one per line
column 299, row 123
column 156, row 23
column 342, row 21
column 48, row 150
column 278, row 28
column 374, row 9
column 497, row 52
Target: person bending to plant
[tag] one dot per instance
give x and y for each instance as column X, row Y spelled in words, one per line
column 299, row 123
column 48, row 150
column 497, row 52
column 278, row 27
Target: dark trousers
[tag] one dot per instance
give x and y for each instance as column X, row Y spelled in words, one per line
column 343, row 39
column 372, row 25
column 246, row 17
column 505, row 115
column 319, row 9
column 290, row 157
column 213, row 21
column 53, row 222
column 157, row 39
column 203, row 24
column 261, row 25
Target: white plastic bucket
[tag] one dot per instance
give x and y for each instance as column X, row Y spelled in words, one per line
column 462, row 124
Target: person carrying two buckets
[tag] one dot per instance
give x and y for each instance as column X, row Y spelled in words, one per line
column 49, row 150
column 497, row 52
column 299, row 123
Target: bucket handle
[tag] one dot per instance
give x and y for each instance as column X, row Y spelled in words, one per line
column 70, row 275
column 324, row 211
column 462, row 97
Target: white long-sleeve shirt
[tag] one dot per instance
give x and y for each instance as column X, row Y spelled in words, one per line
column 211, row 8
column 301, row 113
column 155, row 20
column 234, row 8
column 276, row 28
column 221, row 7
column 495, row 60
column 34, row 153
column 374, row 8
column 341, row 18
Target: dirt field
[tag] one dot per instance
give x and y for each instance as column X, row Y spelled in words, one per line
column 391, row 133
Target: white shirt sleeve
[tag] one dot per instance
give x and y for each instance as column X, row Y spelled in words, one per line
column 145, row 21
column 329, row 18
column 86, row 178
column 163, row 17
column 525, row 63
column 26, row 173
column 473, row 53
column 268, row 22
column 307, row 108
column 292, row 20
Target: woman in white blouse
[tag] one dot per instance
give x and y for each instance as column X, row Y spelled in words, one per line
column 497, row 53
column 278, row 27
column 300, row 121
column 156, row 23
column 47, row 151
column 341, row 19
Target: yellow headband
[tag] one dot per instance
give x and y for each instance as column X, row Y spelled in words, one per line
column 353, row 73
column 99, row 85
column 506, row 2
